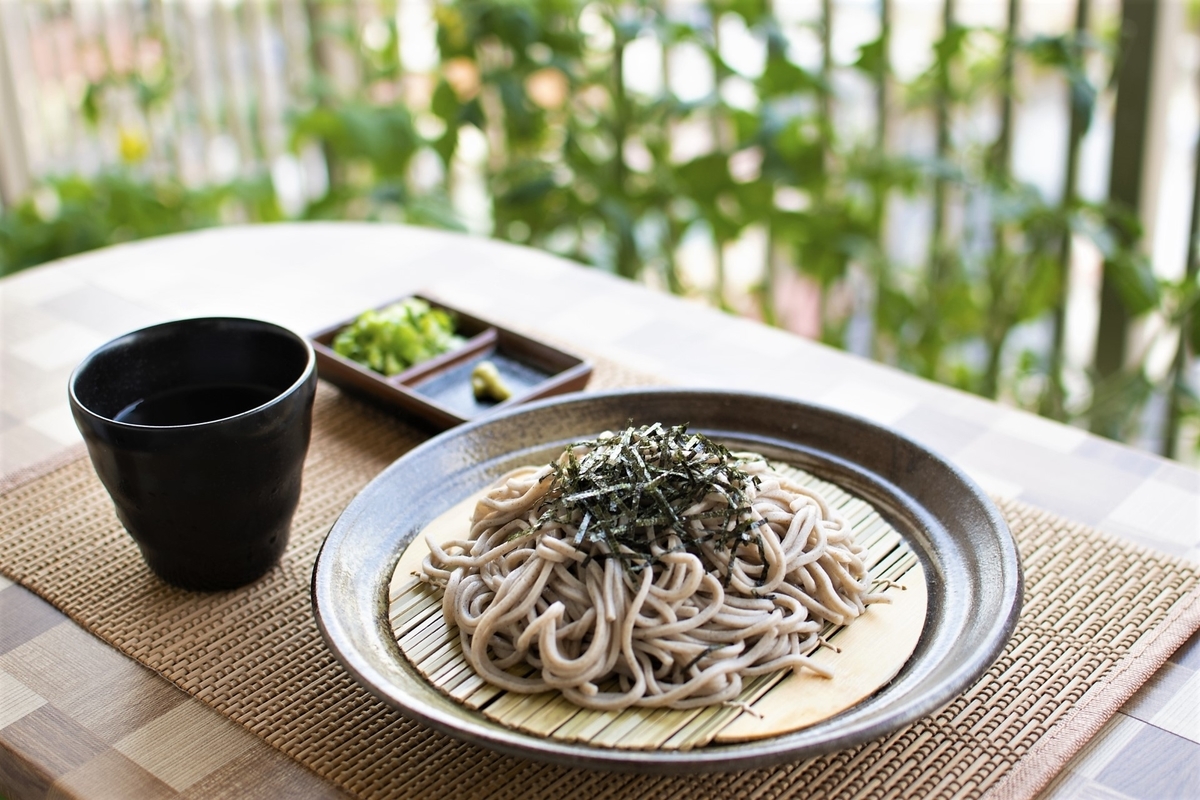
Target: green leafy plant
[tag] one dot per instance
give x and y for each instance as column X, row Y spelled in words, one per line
column 594, row 162
column 73, row 214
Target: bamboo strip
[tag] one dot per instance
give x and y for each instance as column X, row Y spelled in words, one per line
column 550, row 717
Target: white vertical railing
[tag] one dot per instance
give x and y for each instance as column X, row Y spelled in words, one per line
column 14, row 157
column 240, row 67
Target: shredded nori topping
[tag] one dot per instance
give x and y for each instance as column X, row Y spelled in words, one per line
column 635, row 488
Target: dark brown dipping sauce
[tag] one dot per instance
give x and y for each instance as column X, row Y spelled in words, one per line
column 189, row 405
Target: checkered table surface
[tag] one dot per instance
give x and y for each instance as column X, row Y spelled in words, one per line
column 79, row 719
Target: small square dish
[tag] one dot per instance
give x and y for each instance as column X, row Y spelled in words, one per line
column 439, row 391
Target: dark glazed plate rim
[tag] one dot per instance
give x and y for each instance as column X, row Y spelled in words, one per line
column 970, row 559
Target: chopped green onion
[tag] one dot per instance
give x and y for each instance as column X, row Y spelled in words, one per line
column 395, row 338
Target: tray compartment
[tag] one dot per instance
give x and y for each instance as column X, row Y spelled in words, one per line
column 438, row 391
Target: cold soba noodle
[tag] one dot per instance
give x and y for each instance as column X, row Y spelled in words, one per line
column 647, row 568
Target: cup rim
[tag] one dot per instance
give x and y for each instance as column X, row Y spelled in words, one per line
column 310, row 367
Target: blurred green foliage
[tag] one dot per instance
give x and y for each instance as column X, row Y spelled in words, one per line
column 72, row 214
column 581, row 164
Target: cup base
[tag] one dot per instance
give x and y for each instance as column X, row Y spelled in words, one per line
column 214, row 574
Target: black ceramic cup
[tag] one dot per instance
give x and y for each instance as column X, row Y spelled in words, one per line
column 198, row 430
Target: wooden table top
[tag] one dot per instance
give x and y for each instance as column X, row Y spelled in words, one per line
column 118, row 729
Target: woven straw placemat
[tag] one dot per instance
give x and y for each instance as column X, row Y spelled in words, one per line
column 1100, row 617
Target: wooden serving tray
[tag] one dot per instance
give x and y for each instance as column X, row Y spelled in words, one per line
column 438, row 391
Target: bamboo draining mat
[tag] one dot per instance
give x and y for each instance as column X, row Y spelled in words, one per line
column 434, row 648
column 1100, row 616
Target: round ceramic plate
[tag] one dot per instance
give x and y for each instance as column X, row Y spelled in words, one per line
column 968, row 555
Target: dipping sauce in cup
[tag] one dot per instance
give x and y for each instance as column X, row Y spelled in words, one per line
column 198, row 429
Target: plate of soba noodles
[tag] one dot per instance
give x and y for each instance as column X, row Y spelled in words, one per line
column 667, row 581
